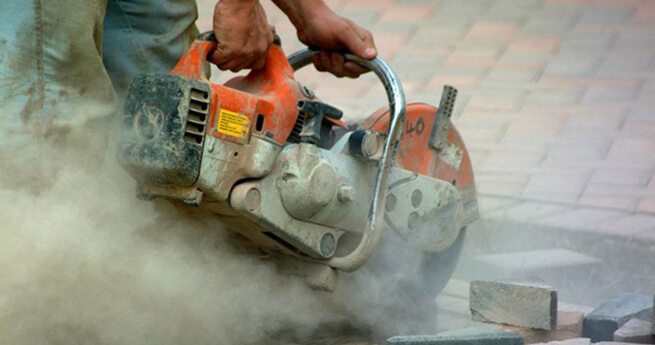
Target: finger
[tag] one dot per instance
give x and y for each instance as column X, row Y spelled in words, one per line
column 354, row 68
column 326, row 61
column 230, row 65
column 359, row 41
column 259, row 63
column 272, row 28
column 337, row 66
column 219, row 57
column 318, row 64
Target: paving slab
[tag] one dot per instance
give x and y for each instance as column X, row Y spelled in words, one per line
column 635, row 331
column 525, row 304
column 600, row 324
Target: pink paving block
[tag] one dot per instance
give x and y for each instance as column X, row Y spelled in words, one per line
column 630, row 224
column 480, row 136
column 645, row 13
column 584, row 218
column 491, row 31
column 638, row 129
column 591, row 2
column 407, row 13
column 591, row 120
column 535, row 45
column 457, row 81
column 580, row 81
column 647, row 205
column 501, row 184
column 619, row 176
column 635, row 151
column 535, row 128
column 502, row 160
column 469, row 61
column 563, row 182
column 623, row 203
column 495, row 103
column 342, row 89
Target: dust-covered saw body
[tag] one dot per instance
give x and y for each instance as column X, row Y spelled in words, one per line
column 281, row 168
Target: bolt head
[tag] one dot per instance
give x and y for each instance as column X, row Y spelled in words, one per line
column 346, row 193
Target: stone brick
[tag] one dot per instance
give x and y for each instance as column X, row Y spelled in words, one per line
column 647, row 205
column 468, row 336
column 491, row 31
column 584, row 218
column 635, row 331
column 526, row 210
column 528, row 304
column 535, row 45
column 573, row 65
column 569, row 326
column 600, row 324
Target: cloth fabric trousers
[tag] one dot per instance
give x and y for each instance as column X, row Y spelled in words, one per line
column 58, row 58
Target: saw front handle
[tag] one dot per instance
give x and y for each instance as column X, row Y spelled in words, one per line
column 373, row 233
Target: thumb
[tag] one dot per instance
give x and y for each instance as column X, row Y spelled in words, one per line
column 359, row 41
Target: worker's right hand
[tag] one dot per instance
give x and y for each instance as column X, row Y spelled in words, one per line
column 243, row 35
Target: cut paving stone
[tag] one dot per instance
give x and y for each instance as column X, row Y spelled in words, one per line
column 529, row 304
column 635, row 331
column 467, row 336
column 569, row 326
column 600, row 324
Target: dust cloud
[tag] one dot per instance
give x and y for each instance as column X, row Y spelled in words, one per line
column 82, row 261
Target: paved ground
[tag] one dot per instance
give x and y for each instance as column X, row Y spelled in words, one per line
column 557, row 98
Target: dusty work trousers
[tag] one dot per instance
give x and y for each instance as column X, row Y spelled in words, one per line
column 58, row 59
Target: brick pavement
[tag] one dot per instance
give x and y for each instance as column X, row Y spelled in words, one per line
column 557, row 98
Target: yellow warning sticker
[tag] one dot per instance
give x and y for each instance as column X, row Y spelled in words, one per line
column 233, row 124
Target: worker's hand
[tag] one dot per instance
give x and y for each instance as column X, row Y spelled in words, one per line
column 243, row 35
column 325, row 30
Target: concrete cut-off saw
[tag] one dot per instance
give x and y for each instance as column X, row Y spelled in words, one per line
column 279, row 167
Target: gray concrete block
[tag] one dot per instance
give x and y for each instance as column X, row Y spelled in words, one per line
column 531, row 304
column 602, row 322
column 635, row 331
column 467, row 336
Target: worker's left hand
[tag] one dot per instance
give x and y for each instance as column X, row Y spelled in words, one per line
column 325, row 30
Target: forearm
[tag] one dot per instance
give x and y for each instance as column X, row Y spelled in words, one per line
column 299, row 10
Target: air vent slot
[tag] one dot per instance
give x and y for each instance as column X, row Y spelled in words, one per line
column 294, row 137
column 194, row 131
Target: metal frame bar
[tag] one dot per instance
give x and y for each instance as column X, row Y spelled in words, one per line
column 373, row 233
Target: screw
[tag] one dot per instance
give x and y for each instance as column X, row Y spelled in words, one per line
column 346, row 193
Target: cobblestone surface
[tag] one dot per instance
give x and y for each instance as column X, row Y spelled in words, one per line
column 557, row 98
